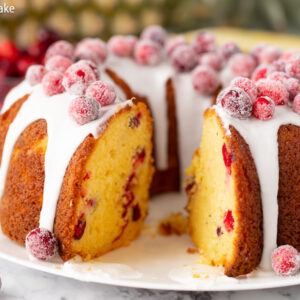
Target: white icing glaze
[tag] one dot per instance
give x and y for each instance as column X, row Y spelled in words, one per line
column 261, row 137
column 64, row 137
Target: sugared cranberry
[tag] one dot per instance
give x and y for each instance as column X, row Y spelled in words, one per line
column 263, row 108
column 226, row 158
column 35, row 74
column 79, row 229
column 83, row 109
column 279, row 65
column 8, row 50
column 155, row 33
column 292, row 66
column 262, row 71
column 226, row 50
column 147, row 52
column 184, row 58
column 274, row 90
column 269, row 54
column 205, row 80
column 91, row 49
column 242, row 64
column 211, row 59
column 228, row 221
column 58, row 63
column 285, row 260
column 104, row 93
column 257, row 49
column 293, row 87
column 296, row 104
column 174, row 42
column 93, row 67
column 289, row 54
column 62, row 48
column 279, row 76
column 247, row 85
column 78, row 77
column 121, row 45
column 236, row 102
column 204, row 42
column 41, row 244
column 52, row 83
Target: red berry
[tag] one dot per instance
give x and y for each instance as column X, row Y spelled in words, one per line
column 91, row 49
column 184, row 58
column 78, row 77
column 285, row 260
column 22, row 64
column 279, row 65
column 84, row 110
column 205, row 80
column 289, row 54
column 122, row 45
column 269, row 54
column 296, row 104
column 257, row 49
column 7, row 68
column 211, row 59
column 226, row 158
column 274, row 90
column 174, row 42
column 79, row 229
column 247, row 85
column 9, row 51
column 279, row 76
column 62, row 48
column 93, row 67
column 242, row 64
column 204, row 42
column 292, row 66
column 236, row 102
column 58, row 63
column 41, row 244
column 293, row 87
column 52, row 83
column 147, row 52
column 35, row 74
column 104, row 93
column 155, row 33
column 262, row 71
column 228, row 49
column 263, row 108
column 228, row 221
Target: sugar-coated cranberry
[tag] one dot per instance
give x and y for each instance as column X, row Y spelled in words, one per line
column 147, row 52
column 41, row 244
column 279, row 76
column 62, row 48
column 104, row 93
column 228, row 49
column 84, row 109
column 247, row 85
column 92, row 49
column 155, row 33
column 236, row 102
column 58, row 63
column 78, row 77
column 269, row 54
column 292, row 66
column 174, row 42
column 257, row 49
column 242, row 64
column 184, row 58
column 279, row 65
column 228, row 221
column 52, row 83
column 293, row 87
column 122, row 45
column 296, row 104
column 8, row 50
column 205, row 80
column 285, row 260
column 35, row 74
column 274, row 90
column 263, row 108
column 211, row 59
column 226, row 158
column 93, row 67
column 204, row 42
column 289, row 54
column 262, row 71
column 23, row 63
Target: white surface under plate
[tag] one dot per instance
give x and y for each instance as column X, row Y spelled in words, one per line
column 152, row 261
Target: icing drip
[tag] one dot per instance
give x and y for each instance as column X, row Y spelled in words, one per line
column 262, row 139
column 64, row 137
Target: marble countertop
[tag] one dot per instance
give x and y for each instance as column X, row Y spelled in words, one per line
column 26, row 284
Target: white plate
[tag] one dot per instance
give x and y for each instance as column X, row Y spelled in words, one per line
column 152, row 261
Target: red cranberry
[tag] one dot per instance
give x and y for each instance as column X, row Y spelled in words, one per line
column 91, row 49
column 104, row 93
column 269, row 54
column 236, row 102
column 205, row 80
column 147, row 52
column 279, row 65
column 293, row 87
column 155, row 33
column 228, row 49
column 41, row 244
column 228, row 221
column 122, row 45
column 242, row 64
column 211, row 59
column 23, row 63
column 84, row 110
column 257, row 49
column 226, row 158
column 58, row 63
column 247, row 85
column 285, row 260
column 62, row 48
column 262, row 71
column 274, row 90
column 9, row 51
column 79, row 229
column 174, row 42
column 93, row 66
column 136, row 212
column 35, row 74
column 279, row 76
column 263, row 108
column 292, row 66
column 219, row 231
column 184, row 58
column 204, row 42
column 7, row 68
column 78, row 77
column 139, row 157
column 52, row 83
column 296, row 104
column 135, row 121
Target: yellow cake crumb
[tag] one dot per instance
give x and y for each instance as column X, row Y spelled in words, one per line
column 175, row 223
